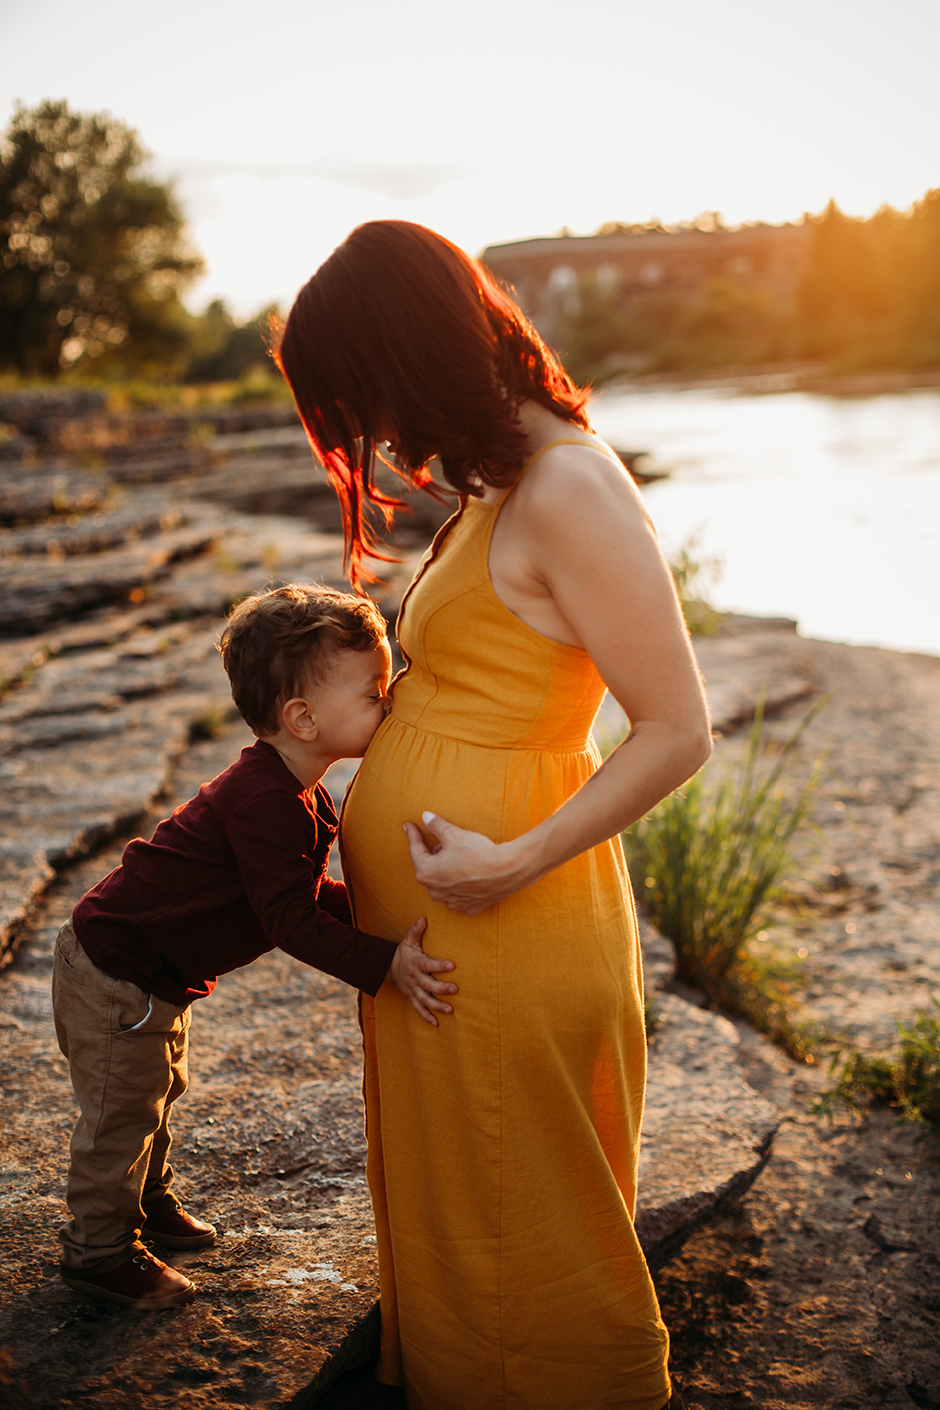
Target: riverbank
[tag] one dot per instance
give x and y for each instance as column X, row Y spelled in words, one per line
column 815, row 1287
column 788, row 377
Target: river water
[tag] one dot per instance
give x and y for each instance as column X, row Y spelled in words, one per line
column 820, row 508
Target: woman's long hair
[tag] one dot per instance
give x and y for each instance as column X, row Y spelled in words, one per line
column 400, row 335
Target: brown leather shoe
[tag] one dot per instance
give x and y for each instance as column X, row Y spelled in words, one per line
column 142, row 1282
column 177, row 1229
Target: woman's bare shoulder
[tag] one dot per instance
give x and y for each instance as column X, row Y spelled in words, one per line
column 582, row 479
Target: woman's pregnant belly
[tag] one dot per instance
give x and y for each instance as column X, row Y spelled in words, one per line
column 573, row 930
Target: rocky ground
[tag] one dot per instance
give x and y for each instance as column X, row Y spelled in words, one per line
column 820, row 1286
column 814, row 1286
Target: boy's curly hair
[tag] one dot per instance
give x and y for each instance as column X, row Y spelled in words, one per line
column 276, row 644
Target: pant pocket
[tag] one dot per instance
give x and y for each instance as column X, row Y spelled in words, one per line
column 138, row 1012
column 142, row 1023
column 64, row 966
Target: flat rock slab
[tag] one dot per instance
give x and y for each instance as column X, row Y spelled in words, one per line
column 749, row 667
column 268, row 1143
column 146, row 515
column 52, row 488
column 706, row 1132
column 70, row 781
column 38, row 592
column 755, row 662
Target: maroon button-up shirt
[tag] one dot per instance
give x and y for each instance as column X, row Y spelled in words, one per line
column 238, row 870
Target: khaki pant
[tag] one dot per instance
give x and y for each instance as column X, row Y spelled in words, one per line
column 127, row 1059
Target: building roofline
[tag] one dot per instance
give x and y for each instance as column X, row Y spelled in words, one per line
column 652, row 239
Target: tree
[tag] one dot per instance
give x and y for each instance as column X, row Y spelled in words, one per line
column 727, row 324
column 93, row 252
column 849, row 297
column 921, row 282
column 223, row 350
column 597, row 335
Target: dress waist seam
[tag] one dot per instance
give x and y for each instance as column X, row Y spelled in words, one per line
column 451, row 738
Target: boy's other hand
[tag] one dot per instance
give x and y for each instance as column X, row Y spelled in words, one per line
column 413, row 971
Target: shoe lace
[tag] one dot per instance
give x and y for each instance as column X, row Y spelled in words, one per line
column 143, row 1257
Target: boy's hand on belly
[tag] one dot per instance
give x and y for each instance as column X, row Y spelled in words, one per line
column 413, row 971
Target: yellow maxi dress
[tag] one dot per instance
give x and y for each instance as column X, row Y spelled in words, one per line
column 502, row 1144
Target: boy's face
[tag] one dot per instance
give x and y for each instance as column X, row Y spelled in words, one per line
column 350, row 702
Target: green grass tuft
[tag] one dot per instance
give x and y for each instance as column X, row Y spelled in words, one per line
column 710, row 860
column 652, row 1015
column 909, row 1081
column 210, row 722
column 690, row 571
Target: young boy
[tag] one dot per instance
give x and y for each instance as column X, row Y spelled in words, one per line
column 235, row 872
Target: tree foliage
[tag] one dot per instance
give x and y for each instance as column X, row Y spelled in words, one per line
column 92, row 252
column 868, row 297
column 223, row 350
column 727, row 324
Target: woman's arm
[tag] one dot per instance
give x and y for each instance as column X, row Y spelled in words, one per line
column 578, row 546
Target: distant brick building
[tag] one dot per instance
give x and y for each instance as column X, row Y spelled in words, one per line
column 546, row 273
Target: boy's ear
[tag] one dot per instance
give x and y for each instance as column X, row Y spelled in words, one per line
column 299, row 720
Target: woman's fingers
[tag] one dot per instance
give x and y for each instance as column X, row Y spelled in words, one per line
column 459, row 858
column 440, row 829
column 464, row 870
column 416, row 844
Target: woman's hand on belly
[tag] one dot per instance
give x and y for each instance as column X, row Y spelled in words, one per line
column 464, row 869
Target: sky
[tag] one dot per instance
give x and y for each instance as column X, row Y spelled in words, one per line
column 285, row 124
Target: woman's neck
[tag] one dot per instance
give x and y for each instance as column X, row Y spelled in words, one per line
column 541, row 427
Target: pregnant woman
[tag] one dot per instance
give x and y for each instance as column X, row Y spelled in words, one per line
column 503, row 1143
